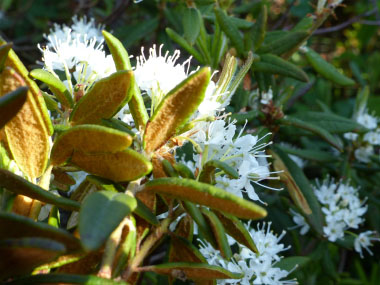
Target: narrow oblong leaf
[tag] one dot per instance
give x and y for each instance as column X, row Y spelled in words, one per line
column 294, row 190
column 26, row 133
column 289, row 263
column 208, row 171
column 145, row 213
column 183, row 43
column 13, row 62
column 236, row 229
column 230, row 29
column 327, row 70
column 191, row 22
column 194, row 271
column 11, row 103
column 183, row 170
column 100, row 214
column 59, row 278
column 203, row 226
column 285, row 43
column 276, row 65
column 182, row 250
column 119, row 53
column 331, row 122
column 219, row 233
column 325, row 135
column 88, row 138
column 20, row 256
column 311, row 154
column 185, row 228
column 104, row 99
column 124, row 165
column 4, row 50
column 118, row 125
column 19, row 185
column 56, row 86
column 205, row 194
column 316, row 219
column 260, row 27
column 16, row 226
column 175, row 109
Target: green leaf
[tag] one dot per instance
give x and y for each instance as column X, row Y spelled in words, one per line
column 126, row 165
column 219, row 233
column 11, row 103
column 203, row 226
column 289, row 263
column 207, row 195
column 59, row 278
column 19, row 185
column 56, row 86
column 207, row 174
column 20, row 256
column 88, row 138
column 191, row 22
column 310, row 154
column 194, row 271
column 327, row 70
column 100, row 214
column 230, row 29
column 331, row 122
column 316, row 219
column 276, row 65
column 105, row 98
column 325, row 135
column 294, row 190
column 182, row 250
column 16, row 226
column 183, row 43
column 4, row 50
column 242, row 117
column 118, row 125
column 105, row 184
column 183, row 170
column 284, row 44
column 119, row 53
column 51, row 104
column 260, row 27
column 175, row 109
column 236, row 229
column 145, row 213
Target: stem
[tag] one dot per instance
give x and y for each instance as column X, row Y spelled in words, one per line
column 110, row 251
column 146, row 247
column 44, row 183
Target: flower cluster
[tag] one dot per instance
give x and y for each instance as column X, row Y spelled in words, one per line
column 78, row 53
column 244, row 153
column 258, row 268
column 365, row 142
column 343, row 210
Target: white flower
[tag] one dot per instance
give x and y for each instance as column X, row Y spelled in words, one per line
column 159, row 73
column 257, row 268
column 341, row 206
column 373, row 138
column 364, row 153
column 299, row 220
column 217, row 141
column 351, row 136
column 368, row 121
column 363, row 240
column 266, row 97
column 78, row 52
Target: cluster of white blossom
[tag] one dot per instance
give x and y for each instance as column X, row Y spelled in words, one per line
column 367, row 141
column 78, row 53
column 244, row 153
column 343, row 210
column 258, row 268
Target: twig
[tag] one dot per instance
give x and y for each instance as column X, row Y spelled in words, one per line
column 284, row 16
column 343, row 25
column 116, row 13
